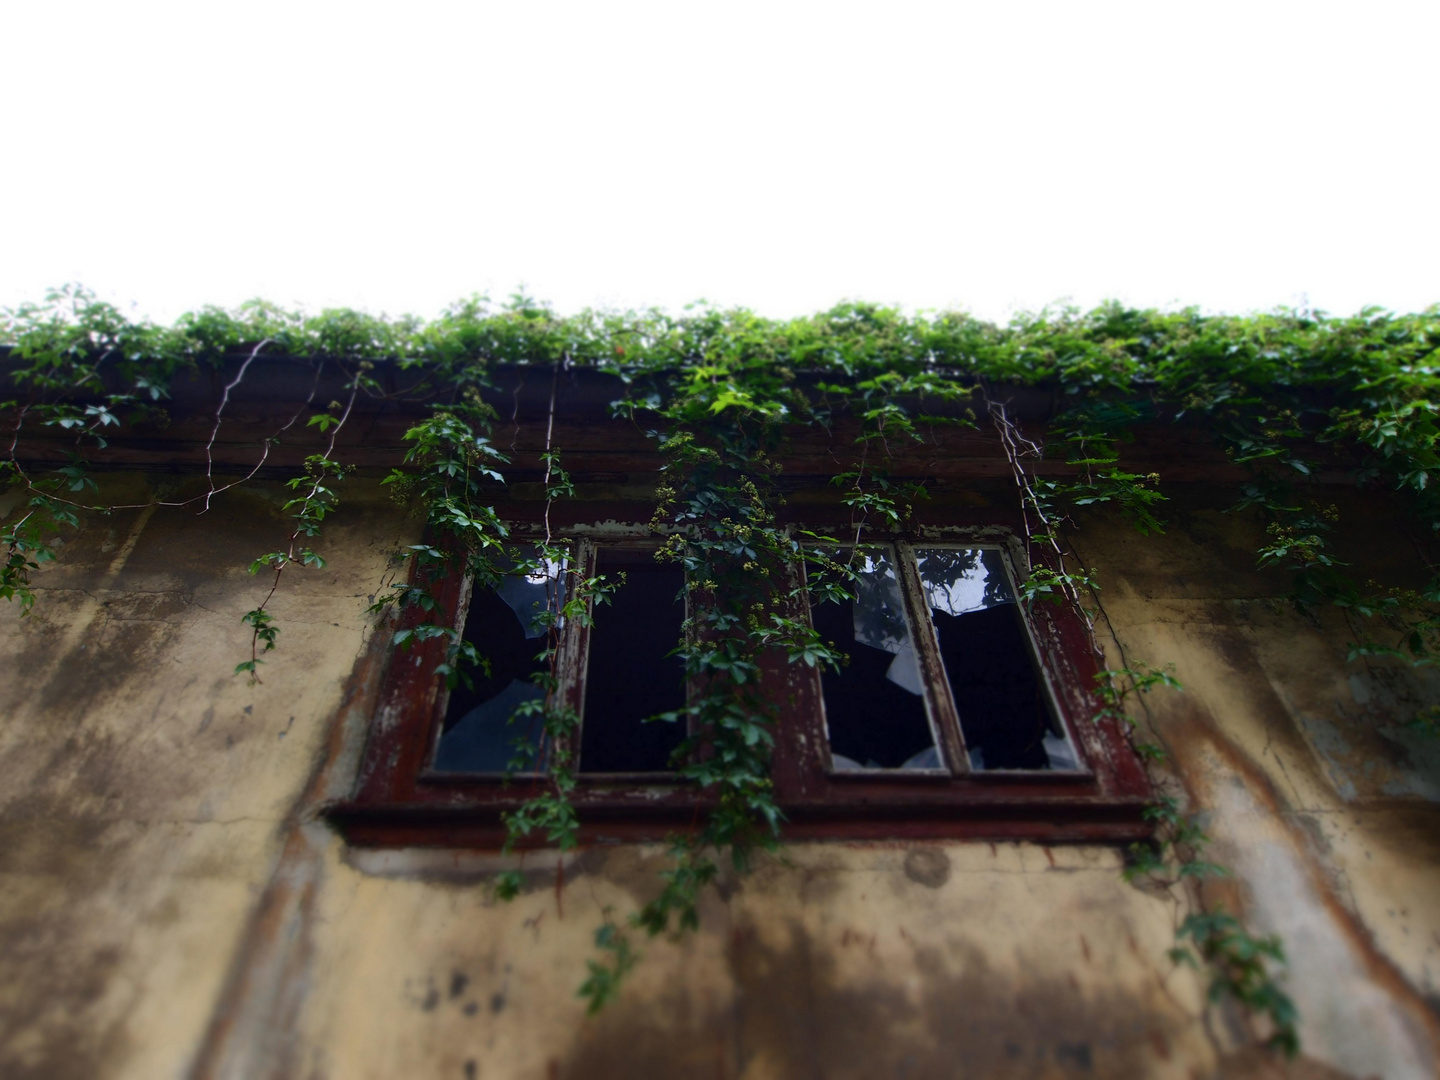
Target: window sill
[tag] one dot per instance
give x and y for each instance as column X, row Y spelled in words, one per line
column 1005, row 812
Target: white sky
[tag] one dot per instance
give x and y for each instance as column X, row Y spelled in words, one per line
column 994, row 156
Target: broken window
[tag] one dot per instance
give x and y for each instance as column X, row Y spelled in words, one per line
column 492, row 724
column 496, row 724
column 1006, row 718
column 946, row 692
column 950, row 611
column 875, row 707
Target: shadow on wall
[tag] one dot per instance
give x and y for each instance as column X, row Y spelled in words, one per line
column 790, row 1016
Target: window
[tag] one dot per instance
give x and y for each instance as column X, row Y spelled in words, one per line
column 958, row 714
column 985, row 703
column 485, row 729
column 622, row 674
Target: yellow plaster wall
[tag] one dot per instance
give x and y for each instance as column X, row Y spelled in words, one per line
column 171, row 905
column 144, row 789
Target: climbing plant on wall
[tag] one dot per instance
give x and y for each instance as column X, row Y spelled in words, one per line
column 1285, row 394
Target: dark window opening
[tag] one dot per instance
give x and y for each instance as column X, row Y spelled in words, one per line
column 487, row 726
column 630, row 674
column 875, row 705
column 998, row 693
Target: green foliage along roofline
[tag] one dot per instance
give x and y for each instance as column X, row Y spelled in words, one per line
column 1175, row 353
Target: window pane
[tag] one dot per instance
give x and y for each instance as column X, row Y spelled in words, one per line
column 875, row 705
column 630, row 675
column 1004, row 715
column 507, row 625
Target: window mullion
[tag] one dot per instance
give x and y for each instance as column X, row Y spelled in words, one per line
column 572, row 660
column 464, row 594
column 938, row 701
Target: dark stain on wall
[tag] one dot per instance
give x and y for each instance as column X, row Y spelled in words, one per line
column 47, row 1028
column 791, row 1011
column 927, row 866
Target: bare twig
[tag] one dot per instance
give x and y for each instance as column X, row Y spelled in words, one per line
column 1018, row 447
column 549, row 436
column 212, row 489
column 219, row 412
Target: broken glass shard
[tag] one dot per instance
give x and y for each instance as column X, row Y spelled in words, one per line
column 534, row 593
column 958, row 581
column 904, row 670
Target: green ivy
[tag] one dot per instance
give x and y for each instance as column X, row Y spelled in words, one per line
column 1284, row 394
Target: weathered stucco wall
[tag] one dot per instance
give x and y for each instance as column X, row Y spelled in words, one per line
column 1319, row 797
column 144, row 790
column 171, row 904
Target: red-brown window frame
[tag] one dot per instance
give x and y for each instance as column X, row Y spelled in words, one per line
column 397, row 801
